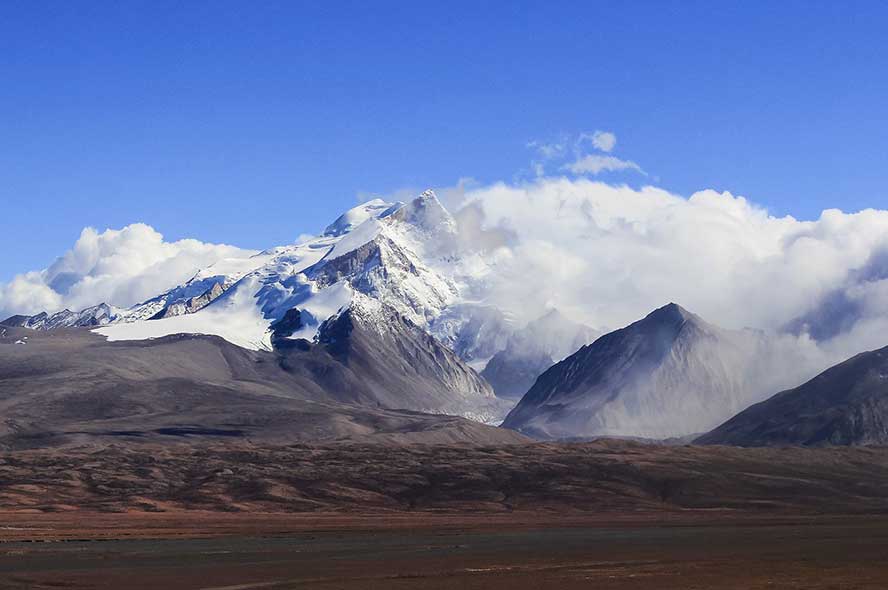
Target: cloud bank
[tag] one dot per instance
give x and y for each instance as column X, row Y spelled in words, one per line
column 119, row 267
column 608, row 255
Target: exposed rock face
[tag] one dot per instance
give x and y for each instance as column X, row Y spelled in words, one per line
column 285, row 327
column 192, row 304
column 845, row 405
column 533, row 349
column 668, row 375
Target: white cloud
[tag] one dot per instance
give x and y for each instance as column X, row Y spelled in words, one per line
column 570, row 153
column 119, row 267
column 608, row 255
column 597, row 163
column 604, row 141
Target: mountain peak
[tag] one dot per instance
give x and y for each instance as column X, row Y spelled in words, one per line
column 427, row 202
column 428, row 195
column 671, row 313
column 426, row 212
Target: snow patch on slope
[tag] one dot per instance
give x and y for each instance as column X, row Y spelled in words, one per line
column 233, row 269
column 234, row 317
column 356, row 238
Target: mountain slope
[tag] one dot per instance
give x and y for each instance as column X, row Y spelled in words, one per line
column 71, row 386
column 533, row 349
column 668, row 375
column 845, row 405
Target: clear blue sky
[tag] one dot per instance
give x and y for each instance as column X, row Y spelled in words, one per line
column 253, row 122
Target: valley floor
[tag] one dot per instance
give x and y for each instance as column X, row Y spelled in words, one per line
column 604, row 515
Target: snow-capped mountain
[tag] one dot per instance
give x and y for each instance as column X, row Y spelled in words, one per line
column 402, row 254
column 395, row 264
column 392, row 252
column 670, row 374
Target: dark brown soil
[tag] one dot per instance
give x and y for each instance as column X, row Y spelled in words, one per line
column 602, row 477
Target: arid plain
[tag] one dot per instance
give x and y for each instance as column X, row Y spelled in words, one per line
column 600, row 515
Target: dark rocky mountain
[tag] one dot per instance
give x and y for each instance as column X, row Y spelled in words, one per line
column 383, row 359
column 191, row 304
column 845, row 405
column 533, row 349
column 670, row 374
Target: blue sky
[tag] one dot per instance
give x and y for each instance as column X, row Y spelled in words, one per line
column 251, row 123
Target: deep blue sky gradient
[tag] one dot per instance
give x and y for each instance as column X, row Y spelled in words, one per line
column 253, row 122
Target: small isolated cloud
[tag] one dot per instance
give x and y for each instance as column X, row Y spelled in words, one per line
column 571, row 152
column 604, row 141
column 548, row 151
column 596, row 163
column 119, row 267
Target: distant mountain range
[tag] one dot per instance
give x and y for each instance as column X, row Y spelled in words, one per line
column 379, row 320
